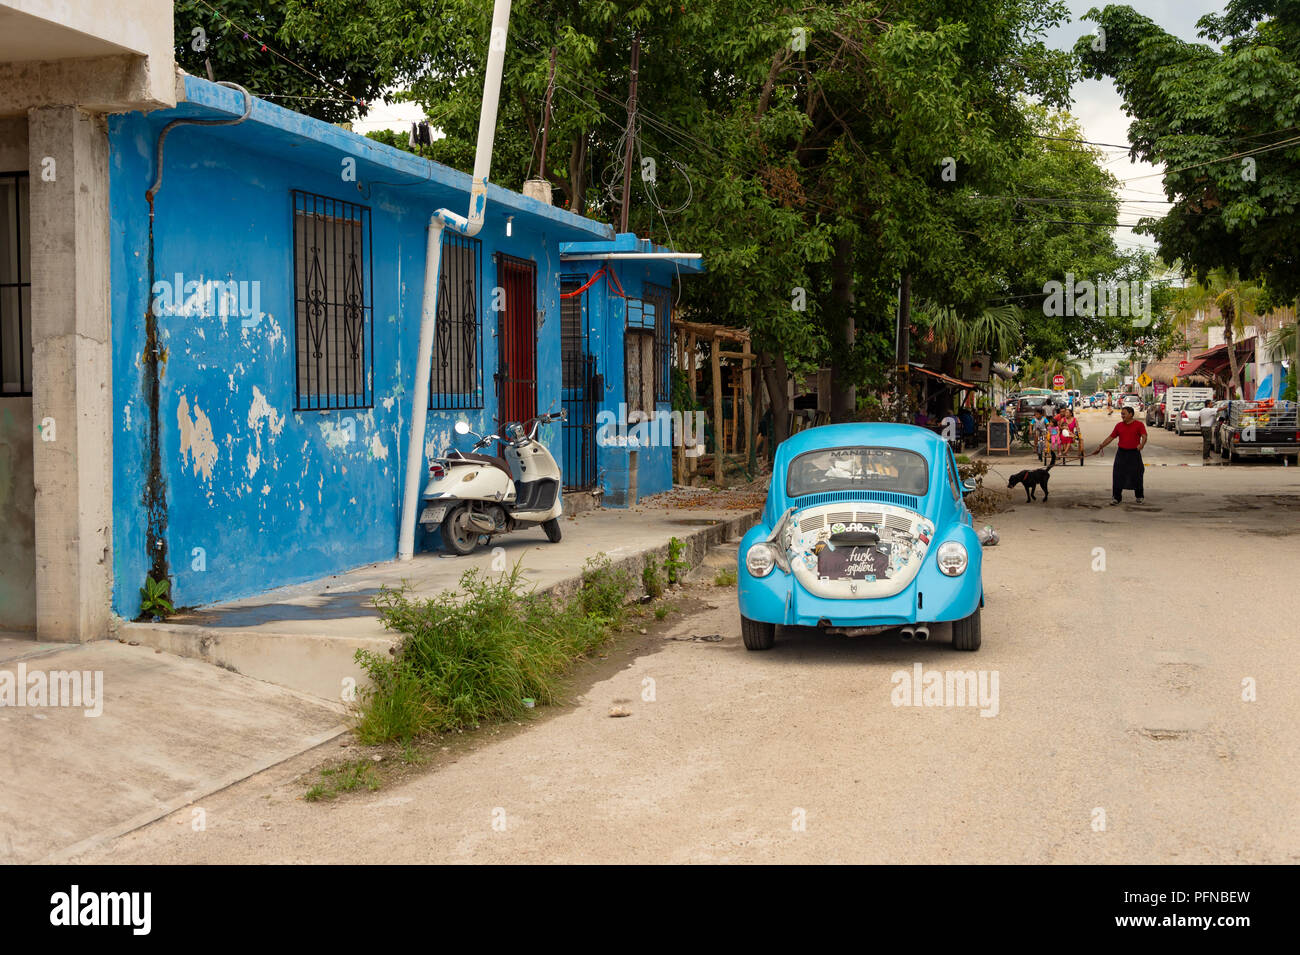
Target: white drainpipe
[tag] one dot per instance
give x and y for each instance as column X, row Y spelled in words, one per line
column 445, row 218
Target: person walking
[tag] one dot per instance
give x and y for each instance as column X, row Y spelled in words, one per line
column 1206, row 420
column 1070, row 433
column 1129, row 470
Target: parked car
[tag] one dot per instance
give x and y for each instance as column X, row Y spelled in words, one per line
column 1156, row 413
column 864, row 530
column 1174, row 398
column 1260, row 429
column 1189, row 417
column 1130, row 400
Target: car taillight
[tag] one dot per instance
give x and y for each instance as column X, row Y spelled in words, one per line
column 1235, row 437
column 438, row 471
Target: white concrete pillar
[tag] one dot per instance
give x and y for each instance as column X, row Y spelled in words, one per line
column 71, row 373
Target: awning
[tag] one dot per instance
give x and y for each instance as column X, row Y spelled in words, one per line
column 1214, row 361
column 945, row 378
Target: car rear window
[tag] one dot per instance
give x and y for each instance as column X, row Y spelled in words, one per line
column 858, row 468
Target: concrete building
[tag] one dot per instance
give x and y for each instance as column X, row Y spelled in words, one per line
column 63, row 66
column 222, row 346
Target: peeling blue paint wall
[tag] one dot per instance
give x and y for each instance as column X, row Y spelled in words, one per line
column 260, row 495
column 613, row 460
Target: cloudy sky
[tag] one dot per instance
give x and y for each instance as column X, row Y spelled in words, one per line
column 1101, row 112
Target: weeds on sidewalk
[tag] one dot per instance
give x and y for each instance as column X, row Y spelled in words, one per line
column 356, row 774
column 473, row 656
column 651, row 579
column 675, row 565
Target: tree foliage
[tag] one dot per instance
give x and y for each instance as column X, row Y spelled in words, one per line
column 1224, row 124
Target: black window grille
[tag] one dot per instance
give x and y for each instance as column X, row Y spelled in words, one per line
column 458, row 345
column 333, row 308
column 639, row 353
column 15, row 286
column 583, row 387
column 663, row 308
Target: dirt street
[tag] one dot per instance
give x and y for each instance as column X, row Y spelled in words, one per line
column 1121, row 639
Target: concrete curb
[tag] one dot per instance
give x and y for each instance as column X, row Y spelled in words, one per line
column 319, row 665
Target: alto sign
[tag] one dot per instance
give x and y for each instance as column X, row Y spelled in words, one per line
column 1058, row 383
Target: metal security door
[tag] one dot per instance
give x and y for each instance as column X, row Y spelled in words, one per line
column 516, row 376
column 582, row 386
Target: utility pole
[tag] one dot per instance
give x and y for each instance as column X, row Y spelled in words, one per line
column 903, row 347
column 631, row 132
column 546, row 115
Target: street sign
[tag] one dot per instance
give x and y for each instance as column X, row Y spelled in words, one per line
column 1058, row 383
column 1144, row 379
column 1182, row 367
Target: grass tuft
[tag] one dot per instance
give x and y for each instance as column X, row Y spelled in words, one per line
column 473, row 656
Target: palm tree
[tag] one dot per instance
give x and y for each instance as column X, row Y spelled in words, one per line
column 996, row 330
column 1236, row 301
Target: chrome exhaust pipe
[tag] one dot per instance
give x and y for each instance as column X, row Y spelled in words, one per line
column 906, row 633
column 922, row 632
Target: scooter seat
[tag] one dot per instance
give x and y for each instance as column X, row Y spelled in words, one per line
column 491, row 460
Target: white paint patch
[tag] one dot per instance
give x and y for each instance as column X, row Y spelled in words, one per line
column 336, row 438
column 377, row 447
column 196, row 438
column 260, row 409
column 388, row 403
column 126, row 417
column 266, row 490
column 258, row 412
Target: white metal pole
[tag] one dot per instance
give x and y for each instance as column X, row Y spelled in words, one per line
column 432, row 266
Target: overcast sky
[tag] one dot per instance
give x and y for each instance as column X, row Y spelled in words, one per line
column 1100, row 110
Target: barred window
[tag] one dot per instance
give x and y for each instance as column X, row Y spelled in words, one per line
column 663, row 305
column 458, row 346
column 639, row 352
column 332, row 303
column 15, row 286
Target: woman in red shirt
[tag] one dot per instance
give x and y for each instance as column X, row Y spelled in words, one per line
column 1129, row 469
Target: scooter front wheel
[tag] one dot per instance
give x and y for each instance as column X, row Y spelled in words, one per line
column 458, row 535
column 552, row 529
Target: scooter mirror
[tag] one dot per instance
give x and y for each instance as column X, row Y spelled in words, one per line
column 461, row 427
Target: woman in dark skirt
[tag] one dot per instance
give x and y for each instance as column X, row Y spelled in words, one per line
column 1129, row 469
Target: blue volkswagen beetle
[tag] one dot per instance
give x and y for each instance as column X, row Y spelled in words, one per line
column 864, row 530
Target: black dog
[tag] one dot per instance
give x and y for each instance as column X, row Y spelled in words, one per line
column 1032, row 480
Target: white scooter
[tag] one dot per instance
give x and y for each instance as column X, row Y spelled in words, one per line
column 475, row 496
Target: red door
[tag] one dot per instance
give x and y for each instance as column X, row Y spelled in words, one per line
column 516, row 375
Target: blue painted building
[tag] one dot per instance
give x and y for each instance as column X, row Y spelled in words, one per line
column 265, row 322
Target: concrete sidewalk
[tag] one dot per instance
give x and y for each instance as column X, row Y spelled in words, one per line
column 160, row 733
column 305, row 637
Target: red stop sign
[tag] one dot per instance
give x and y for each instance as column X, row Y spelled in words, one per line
column 1182, row 367
column 1059, row 381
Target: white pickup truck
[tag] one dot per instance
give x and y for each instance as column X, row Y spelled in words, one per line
column 1175, row 398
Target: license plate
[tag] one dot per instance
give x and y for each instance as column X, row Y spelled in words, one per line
column 854, row 563
column 433, row 514
column 1268, row 451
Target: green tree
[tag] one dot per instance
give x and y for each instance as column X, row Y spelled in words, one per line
column 1223, row 125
